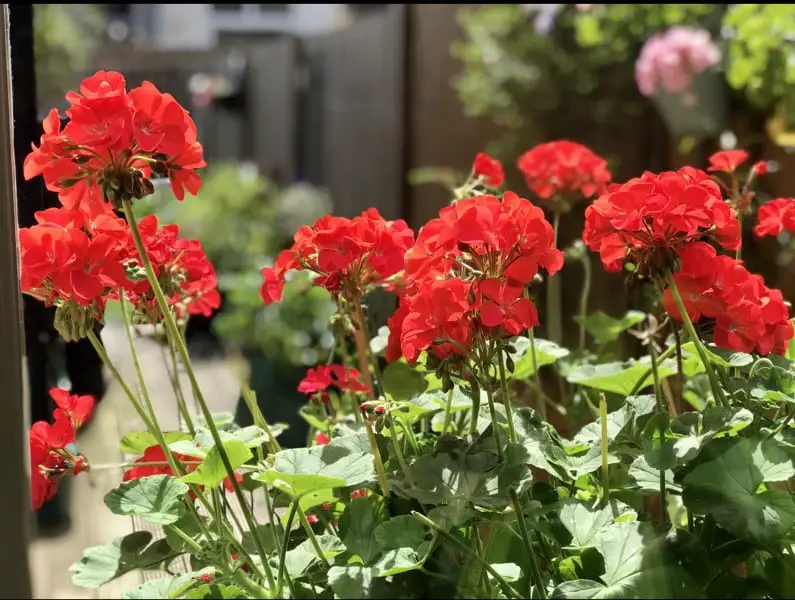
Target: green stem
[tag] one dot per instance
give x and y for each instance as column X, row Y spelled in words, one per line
column 173, row 332
column 642, row 381
column 604, row 446
column 585, row 294
column 494, row 423
column 506, row 587
column 528, row 544
column 379, row 463
column 310, row 533
column 691, row 331
column 661, row 406
column 186, row 538
column 542, row 405
column 285, row 544
column 173, row 376
column 506, row 399
column 554, row 318
column 448, row 411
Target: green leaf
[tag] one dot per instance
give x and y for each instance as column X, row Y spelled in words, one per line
column 724, row 359
column 351, row 582
column 647, row 478
column 101, row 564
column 546, row 353
column 215, row 591
column 403, row 531
column 692, row 430
column 585, row 523
column 508, row 571
column 211, row 471
column 605, row 328
column 155, row 499
column 269, row 534
column 631, row 568
column 402, row 381
column 299, row 559
column 358, row 525
column 163, row 588
column 620, row 423
column 728, row 488
column 300, row 471
column 138, row 441
column 396, row 561
column 619, row 377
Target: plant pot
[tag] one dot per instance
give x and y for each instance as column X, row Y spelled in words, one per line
column 276, row 386
column 700, row 112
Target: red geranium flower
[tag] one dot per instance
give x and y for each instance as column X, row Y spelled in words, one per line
column 775, row 216
column 564, row 169
column 319, row 379
column 727, row 161
column 647, row 220
column 489, row 169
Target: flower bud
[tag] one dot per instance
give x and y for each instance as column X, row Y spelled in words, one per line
column 73, row 322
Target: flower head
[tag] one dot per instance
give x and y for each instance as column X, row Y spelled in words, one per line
column 775, row 216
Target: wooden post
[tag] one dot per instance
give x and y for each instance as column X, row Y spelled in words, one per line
column 15, row 499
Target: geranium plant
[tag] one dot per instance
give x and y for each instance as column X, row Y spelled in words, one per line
column 430, row 477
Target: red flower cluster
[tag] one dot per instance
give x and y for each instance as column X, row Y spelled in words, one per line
column 112, row 143
column 52, row 451
column 649, row 218
column 775, row 216
column 564, row 170
column 467, row 273
column 350, row 256
column 319, row 379
column 154, row 462
column 78, row 259
column 489, row 169
column 748, row 315
column 727, row 161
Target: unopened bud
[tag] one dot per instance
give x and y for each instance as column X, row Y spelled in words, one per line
column 73, row 322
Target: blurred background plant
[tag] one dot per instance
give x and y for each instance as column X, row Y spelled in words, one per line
column 243, row 221
column 65, row 39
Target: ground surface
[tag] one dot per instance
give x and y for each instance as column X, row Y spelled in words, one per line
column 92, row 523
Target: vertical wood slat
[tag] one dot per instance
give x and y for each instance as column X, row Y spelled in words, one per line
column 15, row 500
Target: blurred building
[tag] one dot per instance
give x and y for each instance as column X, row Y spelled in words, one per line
column 206, row 26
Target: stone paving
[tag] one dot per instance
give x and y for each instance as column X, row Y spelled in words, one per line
column 92, row 523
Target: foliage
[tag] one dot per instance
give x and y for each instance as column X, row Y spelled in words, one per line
column 433, row 477
column 65, row 35
column 761, row 62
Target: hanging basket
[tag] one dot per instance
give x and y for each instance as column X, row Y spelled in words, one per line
column 700, row 112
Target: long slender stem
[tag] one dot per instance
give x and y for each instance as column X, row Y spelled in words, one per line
column 448, row 411
column 585, row 294
column 604, row 444
column 663, row 411
column 506, row 398
column 379, row 463
column 528, row 544
column 494, row 423
column 173, row 375
column 691, row 331
column 542, row 405
column 173, row 332
column 285, row 544
column 554, row 318
column 310, row 533
column 506, row 587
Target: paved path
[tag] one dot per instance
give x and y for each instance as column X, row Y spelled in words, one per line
column 92, row 523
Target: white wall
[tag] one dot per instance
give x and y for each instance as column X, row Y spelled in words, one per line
column 183, row 26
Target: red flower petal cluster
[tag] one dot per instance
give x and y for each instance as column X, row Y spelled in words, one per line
column 156, row 455
column 727, row 161
column 187, row 277
column 564, row 169
column 748, row 315
column 489, row 169
column 112, row 142
column 321, row 439
column 775, row 216
column 52, row 452
column 350, row 256
column 467, row 273
column 321, row 378
column 649, row 218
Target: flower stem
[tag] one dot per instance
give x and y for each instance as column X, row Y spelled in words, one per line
column 173, row 332
column 585, row 294
column 494, row 423
column 691, row 331
column 661, row 406
column 604, row 445
column 310, row 533
column 285, row 544
column 379, row 463
column 542, row 405
column 506, row 398
column 528, row 544
column 506, row 587
column 554, row 320
column 448, row 411
column 173, row 375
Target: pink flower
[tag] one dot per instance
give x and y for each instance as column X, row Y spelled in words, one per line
column 668, row 60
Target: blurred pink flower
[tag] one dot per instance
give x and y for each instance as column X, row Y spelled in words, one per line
column 668, row 60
